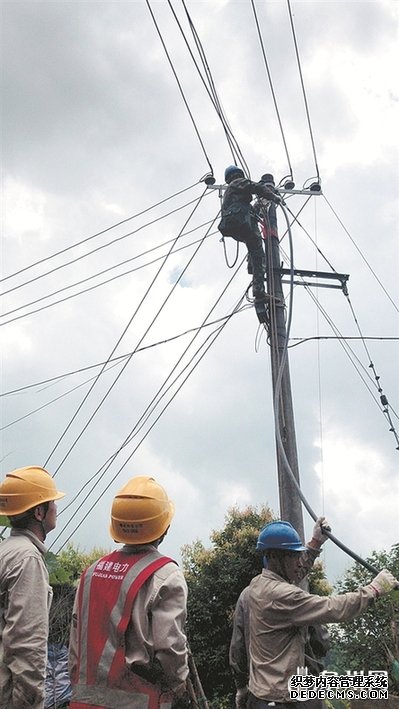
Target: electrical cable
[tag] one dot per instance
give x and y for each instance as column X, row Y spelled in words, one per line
column 309, row 236
column 99, row 233
column 180, row 87
column 96, row 275
column 303, row 90
column 212, row 94
column 53, row 380
column 269, row 76
column 302, row 340
column 112, row 362
column 99, row 248
column 361, row 254
column 232, row 141
column 118, row 342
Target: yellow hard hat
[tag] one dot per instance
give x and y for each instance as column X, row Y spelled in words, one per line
column 25, row 488
column 141, row 512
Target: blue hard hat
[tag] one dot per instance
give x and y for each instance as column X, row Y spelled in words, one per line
column 232, row 170
column 279, row 535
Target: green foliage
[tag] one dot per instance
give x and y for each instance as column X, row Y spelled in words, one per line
column 67, row 566
column 56, row 571
column 4, row 522
column 317, row 580
column 215, row 579
column 370, row 641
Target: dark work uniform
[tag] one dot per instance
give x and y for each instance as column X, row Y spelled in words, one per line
column 240, row 223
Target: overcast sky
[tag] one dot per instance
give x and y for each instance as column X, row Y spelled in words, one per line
column 95, row 130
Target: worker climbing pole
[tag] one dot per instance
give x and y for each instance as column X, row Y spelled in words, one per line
column 239, row 221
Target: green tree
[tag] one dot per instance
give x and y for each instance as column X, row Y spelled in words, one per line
column 370, row 641
column 67, row 566
column 215, row 578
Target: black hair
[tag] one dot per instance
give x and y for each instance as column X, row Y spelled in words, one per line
column 22, row 522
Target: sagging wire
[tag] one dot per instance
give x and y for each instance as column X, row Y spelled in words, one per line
column 99, row 233
column 278, row 389
column 100, row 273
column 52, row 381
column 230, row 265
column 99, row 248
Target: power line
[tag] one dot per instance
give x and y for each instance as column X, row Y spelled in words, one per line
column 211, row 89
column 302, row 340
column 180, row 87
column 361, row 253
column 98, row 248
column 113, row 362
column 271, row 87
column 303, row 89
column 99, row 233
column 96, row 275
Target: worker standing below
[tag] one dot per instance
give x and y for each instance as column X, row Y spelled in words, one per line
column 240, row 222
column 127, row 644
column 280, row 611
column 239, row 645
column 27, row 498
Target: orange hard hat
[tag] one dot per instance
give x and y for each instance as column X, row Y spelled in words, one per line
column 25, row 488
column 141, row 512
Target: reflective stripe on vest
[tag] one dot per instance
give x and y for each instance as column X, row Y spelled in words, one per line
column 106, row 596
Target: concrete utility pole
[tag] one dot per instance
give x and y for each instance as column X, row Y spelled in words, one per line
column 290, row 503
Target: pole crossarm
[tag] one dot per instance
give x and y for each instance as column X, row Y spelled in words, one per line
column 327, row 275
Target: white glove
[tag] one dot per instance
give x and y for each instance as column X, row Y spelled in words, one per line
column 241, row 697
column 383, row 583
column 318, row 535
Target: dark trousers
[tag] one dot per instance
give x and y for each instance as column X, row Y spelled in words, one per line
column 254, row 244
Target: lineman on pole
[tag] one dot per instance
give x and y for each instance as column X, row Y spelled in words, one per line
column 127, row 645
column 27, row 498
column 240, row 222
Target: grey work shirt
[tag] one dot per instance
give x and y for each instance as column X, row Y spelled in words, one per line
column 279, row 614
column 25, row 599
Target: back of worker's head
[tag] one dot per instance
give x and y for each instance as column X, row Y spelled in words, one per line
column 23, row 490
column 141, row 512
column 279, row 536
column 232, row 172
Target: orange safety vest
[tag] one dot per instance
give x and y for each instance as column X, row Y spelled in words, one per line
column 106, row 595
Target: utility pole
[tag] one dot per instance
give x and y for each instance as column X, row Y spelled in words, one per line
column 273, row 315
column 290, row 503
